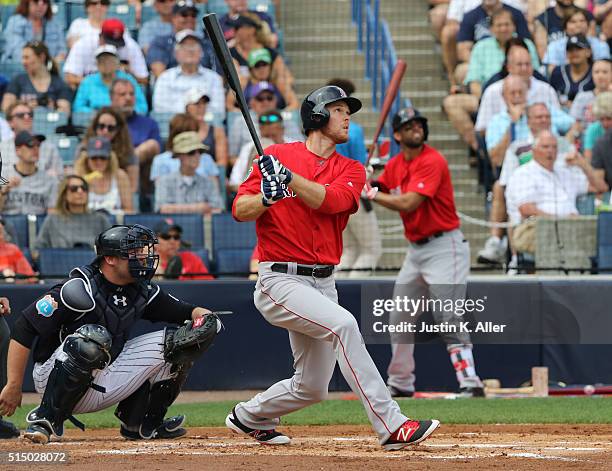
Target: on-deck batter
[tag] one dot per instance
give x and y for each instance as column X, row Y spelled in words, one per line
column 417, row 184
column 301, row 195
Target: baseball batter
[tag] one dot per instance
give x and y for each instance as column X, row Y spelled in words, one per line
column 301, row 195
column 83, row 360
column 417, row 184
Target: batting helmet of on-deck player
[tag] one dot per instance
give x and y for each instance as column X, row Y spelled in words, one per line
column 313, row 112
column 405, row 116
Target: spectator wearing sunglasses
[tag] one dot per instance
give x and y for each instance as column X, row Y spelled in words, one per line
column 33, row 21
column 172, row 85
column 30, row 190
column 160, row 25
column 174, row 262
column 110, row 124
column 161, row 53
column 185, row 191
column 20, row 118
column 94, row 91
column 72, row 224
column 109, row 186
column 40, row 84
column 261, row 99
column 90, row 26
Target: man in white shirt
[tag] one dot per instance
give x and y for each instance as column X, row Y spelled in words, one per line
column 172, row 85
column 81, row 59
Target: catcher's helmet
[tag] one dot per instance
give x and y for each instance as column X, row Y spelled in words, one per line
column 407, row 115
column 313, row 112
column 134, row 243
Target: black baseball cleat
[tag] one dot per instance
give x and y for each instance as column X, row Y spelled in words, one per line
column 37, row 433
column 475, row 391
column 410, row 433
column 170, row 428
column 395, row 392
column 265, row 437
column 8, row 430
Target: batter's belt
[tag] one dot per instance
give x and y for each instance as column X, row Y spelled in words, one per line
column 305, row 270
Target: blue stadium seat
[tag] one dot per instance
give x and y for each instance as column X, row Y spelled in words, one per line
column 585, row 204
column 82, row 118
column 59, row 13
column 192, row 224
column 67, row 146
column 163, row 121
column 203, row 254
column 39, row 222
column 233, row 243
column 74, row 9
column 6, row 11
column 217, row 6
column 148, row 13
column 20, row 224
column 10, row 69
column 604, row 242
column 46, row 121
column 58, row 262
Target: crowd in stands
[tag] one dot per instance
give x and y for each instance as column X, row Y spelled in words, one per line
column 141, row 97
column 531, row 96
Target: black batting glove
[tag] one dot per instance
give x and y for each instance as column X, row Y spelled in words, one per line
column 271, row 166
column 273, row 190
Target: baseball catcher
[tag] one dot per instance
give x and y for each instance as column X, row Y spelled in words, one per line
column 83, row 360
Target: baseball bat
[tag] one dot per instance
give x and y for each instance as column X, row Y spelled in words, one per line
column 211, row 23
column 390, row 93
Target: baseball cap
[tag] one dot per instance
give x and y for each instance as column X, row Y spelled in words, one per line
column 183, row 5
column 107, row 49
column 166, row 225
column 579, row 41
column 184, row 34
column 112, row 31
column 24, row 138
column 242, row 20
column 259, row 55
column 253, row 90
column 270, row 117
column 193, row 95
column 187, row 142
column 404, row 116
column 99, row 147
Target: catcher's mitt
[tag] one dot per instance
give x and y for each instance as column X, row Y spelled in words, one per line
column 186, row 343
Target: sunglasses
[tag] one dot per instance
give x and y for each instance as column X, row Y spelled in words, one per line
column 75, row 188
column 270, row 119
column 260, row 64
column 32, row 145
column 103, row 2
column 165, row 1
column 190, row 14
column 170, row 236
column 109, row 127
column 26, row 114
column 40, row 1
column 193, row 153
column 265, row 97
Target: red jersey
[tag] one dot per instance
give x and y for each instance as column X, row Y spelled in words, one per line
column 428, row 175
column 290, row 231
column 12, row 257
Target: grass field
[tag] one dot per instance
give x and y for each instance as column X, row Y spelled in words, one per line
column 570, row 410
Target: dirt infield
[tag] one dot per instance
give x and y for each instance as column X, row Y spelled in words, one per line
column 338, row 447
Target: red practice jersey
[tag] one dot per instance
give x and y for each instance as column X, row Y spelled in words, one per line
column 428, row 175
column 290, row 231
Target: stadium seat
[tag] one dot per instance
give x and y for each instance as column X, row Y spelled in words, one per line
column 604, row 242
column 20, row 224
column 39, row 222
column 58, row 262
column 203, row 254
column 585, row 204
column 6, row 11
column 10, row 69
column 163, row 121
column 232, row 243
column 148, row 13
column 67, row 146
column 217, row 6
column 82, row 118
column 46, row 121
column 192, row 224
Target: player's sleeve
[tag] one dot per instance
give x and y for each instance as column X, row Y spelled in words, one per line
column 343, row 193
column 166, row 308
column 426, row 179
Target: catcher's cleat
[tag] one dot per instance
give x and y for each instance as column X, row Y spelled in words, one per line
column 265, row 437
column 171, row 428
column 37, row 433
column 411, row 433
column 8, row 430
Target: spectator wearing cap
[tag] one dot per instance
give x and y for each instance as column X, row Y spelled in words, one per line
column 161, row 53
column 185, row 191
column 172, row 85
column 109, row 186
column 30, row 190
column 576, row 23
column 40, row 84
column 94, row 90
column 174, row 262
column 20, row 118
column 602, row 111
column 12, row 260
column 81, row 60
column 213, row 137
column 165, row 163
column 159, row 25
column 582, row 106
column 33, row 21
column 575, row 76
column 91, row 25
column 239, row 7
column 272, row 131
column 144, row 133
column 261, row 98
column 72, row 224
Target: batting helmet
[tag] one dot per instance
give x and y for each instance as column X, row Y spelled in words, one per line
column 134, row 243
column 313, row 112
column 406, row 115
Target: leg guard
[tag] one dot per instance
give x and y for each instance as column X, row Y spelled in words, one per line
column 86, row 350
